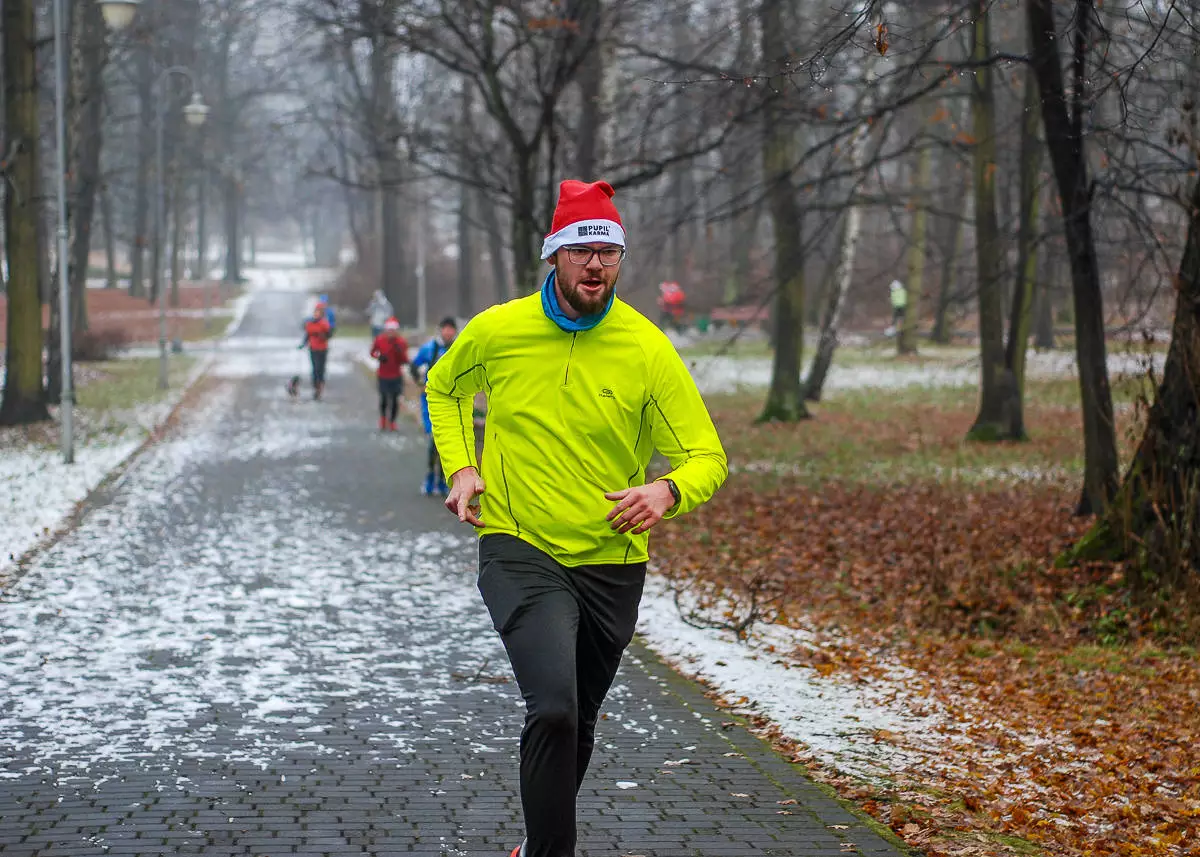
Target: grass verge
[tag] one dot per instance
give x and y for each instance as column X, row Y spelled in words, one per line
column 121, row 385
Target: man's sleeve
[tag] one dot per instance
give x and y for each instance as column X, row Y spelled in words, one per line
column 683, row 431
column 450, row 388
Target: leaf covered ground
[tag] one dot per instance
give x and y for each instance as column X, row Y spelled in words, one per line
column 1073, row 702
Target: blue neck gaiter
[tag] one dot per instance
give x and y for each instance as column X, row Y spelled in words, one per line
column 554, row 312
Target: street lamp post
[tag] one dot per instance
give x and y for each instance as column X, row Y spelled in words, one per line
column 195, row 113
column 117, row 15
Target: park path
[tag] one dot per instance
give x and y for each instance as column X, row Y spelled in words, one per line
column 261, row 640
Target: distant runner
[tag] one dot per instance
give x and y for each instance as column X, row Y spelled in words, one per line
column 379, row 310
column 329, row 313
column 391, row 350
column 316, row 339
column 427, row 355
column 899, row 299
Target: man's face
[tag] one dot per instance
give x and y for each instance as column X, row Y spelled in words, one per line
column 318, row 313
column 587, row 287
column 448, row 333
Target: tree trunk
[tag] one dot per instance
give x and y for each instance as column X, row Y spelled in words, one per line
column 835, row 301
column 141, row 208
column 23, row 393
column 999, row 406
column 489, row 216
column 89, row 54
column 526, row 255
column 906, row 337
column 1155, row 516
column 785, row 398
column 1064, row 139
column 740, row 165
column 1043, row 334
column 591, row 93
column 398, row 283
column 110, row 240
column 946, row 287
column 327, row 242
column 1027, row 235
column 46, row 240
column 847, row 251
column 233, row 238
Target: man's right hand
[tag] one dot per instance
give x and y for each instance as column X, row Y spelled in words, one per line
column 465, row 486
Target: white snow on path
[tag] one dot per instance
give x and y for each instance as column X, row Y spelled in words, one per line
column 836, row 719
column 170, row 627
column 38, row 492
column 285, row 279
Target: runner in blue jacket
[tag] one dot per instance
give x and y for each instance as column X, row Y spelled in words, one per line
column 422, row 362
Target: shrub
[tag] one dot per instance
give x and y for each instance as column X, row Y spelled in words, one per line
column 91, row 346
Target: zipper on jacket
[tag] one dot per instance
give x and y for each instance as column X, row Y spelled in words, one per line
column 570, row 354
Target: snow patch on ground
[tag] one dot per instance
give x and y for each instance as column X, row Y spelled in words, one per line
column 836, row 719
column 104, row 655
column 731, row 374
column 39, row 491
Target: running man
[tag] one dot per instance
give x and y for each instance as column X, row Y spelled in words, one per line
column 391, row 350
column 316, row 339
column 899, row 299
column 581, row 390
column 427, row 355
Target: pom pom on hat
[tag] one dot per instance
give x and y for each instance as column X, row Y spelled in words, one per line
column 585, row 215
column 391, row 324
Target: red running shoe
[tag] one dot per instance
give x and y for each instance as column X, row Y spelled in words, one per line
column 391, row 426
column 382, row 423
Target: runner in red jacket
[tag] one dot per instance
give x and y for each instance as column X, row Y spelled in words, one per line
column 391, row 350
column 316, row 339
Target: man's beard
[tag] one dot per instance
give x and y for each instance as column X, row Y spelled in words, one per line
column 581, row 303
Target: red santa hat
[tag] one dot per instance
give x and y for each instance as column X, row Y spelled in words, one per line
column 585, row 215
column 391, row 324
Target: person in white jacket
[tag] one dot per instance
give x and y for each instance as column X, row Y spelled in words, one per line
column 379, row 310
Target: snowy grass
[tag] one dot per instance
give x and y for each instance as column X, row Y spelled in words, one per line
column 873, row 369
column 116, row 413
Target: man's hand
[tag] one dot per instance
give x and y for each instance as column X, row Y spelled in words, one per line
column 640, row 508
column 465, row 486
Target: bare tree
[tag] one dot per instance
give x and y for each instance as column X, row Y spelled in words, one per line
column 785, row 398
column 23, row 393
column 1065, row 139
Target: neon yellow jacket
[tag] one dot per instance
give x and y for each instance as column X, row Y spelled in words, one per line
column 571, row 417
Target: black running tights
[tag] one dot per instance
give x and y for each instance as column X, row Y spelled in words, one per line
column 564, row 630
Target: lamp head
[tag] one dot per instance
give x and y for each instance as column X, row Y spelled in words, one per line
column 196, row 111
column 118, row 14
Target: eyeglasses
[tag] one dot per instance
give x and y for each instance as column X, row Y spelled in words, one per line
column 609, row 256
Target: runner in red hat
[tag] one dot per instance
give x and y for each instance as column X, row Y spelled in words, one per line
column 391, row 350
column 581, row 389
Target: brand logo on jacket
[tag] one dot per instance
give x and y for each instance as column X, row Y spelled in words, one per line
column 607, row 394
